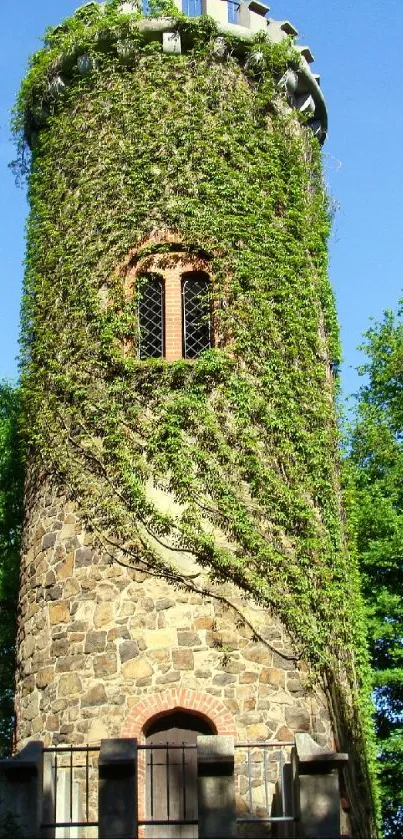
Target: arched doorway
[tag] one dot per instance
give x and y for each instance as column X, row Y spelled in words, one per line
column 171, row 774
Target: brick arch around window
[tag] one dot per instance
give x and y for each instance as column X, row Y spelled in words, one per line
column 172, row 261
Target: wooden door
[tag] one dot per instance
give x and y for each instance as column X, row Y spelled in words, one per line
column 171, row 777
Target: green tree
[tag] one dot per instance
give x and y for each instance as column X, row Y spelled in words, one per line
column 11, row 512
column 377, row 462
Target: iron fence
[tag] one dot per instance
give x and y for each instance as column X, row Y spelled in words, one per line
column 70, row 794
column 168, row 788
column 263, row 772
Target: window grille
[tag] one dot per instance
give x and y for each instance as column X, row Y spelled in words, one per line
column 196, row 313
column 151, row 316
column 233, row 11
column 192, row 8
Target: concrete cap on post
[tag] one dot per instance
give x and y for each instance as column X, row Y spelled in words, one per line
column 117, row 792
column 23, row 788
column 216, row 791
column 318, row 789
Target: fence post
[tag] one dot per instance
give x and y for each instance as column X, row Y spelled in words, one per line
column 215, row 782
column 318, row 791
column 21, row 789
column 117, row 792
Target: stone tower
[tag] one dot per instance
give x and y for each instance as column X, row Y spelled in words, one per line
column 184, row 552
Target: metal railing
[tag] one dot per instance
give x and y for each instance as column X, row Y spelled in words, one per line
column 264, row 794
column 70, row 787
column 263, row 785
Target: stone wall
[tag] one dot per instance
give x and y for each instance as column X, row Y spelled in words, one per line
column 102, row 647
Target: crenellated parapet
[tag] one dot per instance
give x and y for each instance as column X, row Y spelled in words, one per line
column 239, row 26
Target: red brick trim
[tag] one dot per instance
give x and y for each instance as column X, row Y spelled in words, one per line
column 179, row 699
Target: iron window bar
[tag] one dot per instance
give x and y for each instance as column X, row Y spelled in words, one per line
column 196, row 315
column 151, row 304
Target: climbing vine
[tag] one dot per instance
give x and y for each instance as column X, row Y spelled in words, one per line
column 129, row 142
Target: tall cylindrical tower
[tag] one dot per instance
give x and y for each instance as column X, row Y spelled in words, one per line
column 184, row 549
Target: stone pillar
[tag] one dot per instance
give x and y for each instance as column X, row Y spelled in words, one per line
column 215, row 783
column 318, row 791
column 22, row 789
column 117, row 795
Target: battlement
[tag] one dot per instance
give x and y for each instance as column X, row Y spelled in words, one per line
column 237, row 23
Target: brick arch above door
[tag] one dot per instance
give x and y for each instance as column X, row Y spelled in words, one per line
column 183, row 699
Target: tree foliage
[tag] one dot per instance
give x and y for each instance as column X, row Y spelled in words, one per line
column 377, row 459
column 11, row 511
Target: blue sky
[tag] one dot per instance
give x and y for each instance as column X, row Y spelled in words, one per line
column 358, row 53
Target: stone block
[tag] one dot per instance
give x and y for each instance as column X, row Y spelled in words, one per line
column 68, row 531
column 50, row 578
column 48, row 541
column 32, row 708
column 69, row 663
column 59, row 613
column 188, row 639
column 319, row 805
column 54, row 593
column 44, row 677
column 272, row 676
column 298, row 719
column 157, row 638
column 147, row 604
column 183, row 659
column 104, row 614
column 257, row 652
column 95, row 642
column 29, row 646
column 169, row 678
column 128, row 650
column 94, row 696
column 164, row 603
column 283, row 663
column 137, row 668
column 105, row 664
column 258, row 731
column 203, row 623
column 69, row 685
column 83, row 557
column 97, row 731
column 224, row 679
column 71, row 587
column 248, row 677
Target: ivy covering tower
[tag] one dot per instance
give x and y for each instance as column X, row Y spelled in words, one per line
column 184, row 541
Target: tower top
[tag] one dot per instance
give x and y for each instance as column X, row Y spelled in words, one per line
column 240, row 25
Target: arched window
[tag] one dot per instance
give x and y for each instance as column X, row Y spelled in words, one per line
column 150, row 289
column 196, row 314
